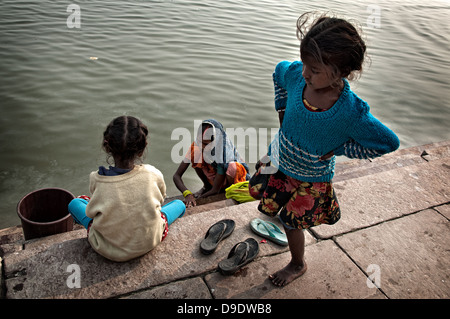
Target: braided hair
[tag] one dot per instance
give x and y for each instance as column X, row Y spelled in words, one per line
column 125, row 138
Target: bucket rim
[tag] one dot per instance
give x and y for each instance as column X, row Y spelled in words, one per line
column 43, row 223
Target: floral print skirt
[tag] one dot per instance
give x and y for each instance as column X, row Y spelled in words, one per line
column 301, row 204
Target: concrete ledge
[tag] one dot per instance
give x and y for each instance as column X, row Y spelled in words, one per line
column 401, row 158
column 331, row 274
column 194, row 288
column 387, row 195
column 411, row 254
column 40, row 271
column 444, row 210
column 390, row 186
column 11, row 239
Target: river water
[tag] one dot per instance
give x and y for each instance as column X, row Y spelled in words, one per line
column 66, row 71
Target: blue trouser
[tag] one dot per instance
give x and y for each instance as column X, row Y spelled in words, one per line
column 77, row 208
column 173, row 210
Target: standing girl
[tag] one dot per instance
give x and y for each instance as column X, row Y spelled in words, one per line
column 320, row 118
column 125, row 217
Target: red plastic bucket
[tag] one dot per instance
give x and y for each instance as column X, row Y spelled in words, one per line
column 44, row 212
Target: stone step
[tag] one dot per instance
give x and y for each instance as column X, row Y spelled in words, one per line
column 12, row 238
column 40, row 270
column 367, row 201
column 401, row 158
column 406, row 257
column 211, row 206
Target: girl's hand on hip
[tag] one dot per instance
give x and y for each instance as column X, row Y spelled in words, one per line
column 327, row 156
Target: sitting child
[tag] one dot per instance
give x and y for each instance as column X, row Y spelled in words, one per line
column 125, row 217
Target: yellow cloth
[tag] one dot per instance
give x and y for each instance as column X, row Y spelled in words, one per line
column 239, row 192
column 126, row 212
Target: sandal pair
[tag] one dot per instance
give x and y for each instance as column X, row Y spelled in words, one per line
column 241, row 254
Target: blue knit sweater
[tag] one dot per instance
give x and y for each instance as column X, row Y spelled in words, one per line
column 347, row 128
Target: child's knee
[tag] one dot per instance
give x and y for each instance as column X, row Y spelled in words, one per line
column 77, row 208
column 77, row 204
column 173, row 210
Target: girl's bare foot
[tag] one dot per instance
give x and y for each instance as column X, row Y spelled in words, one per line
column 288, row 274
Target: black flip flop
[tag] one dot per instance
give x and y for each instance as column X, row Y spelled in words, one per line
column 215, row 234
column 241, row 254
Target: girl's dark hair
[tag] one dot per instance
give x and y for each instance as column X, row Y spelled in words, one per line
column 331, row 41
column 125, row 138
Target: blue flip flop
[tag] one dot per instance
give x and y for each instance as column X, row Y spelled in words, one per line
column 269, row 230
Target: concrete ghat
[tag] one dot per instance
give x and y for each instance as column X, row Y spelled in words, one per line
column 394, row 228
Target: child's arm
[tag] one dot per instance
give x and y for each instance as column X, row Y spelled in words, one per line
column 369, row 139
column 280, row 99
column 178, row 181
column 279, row 84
